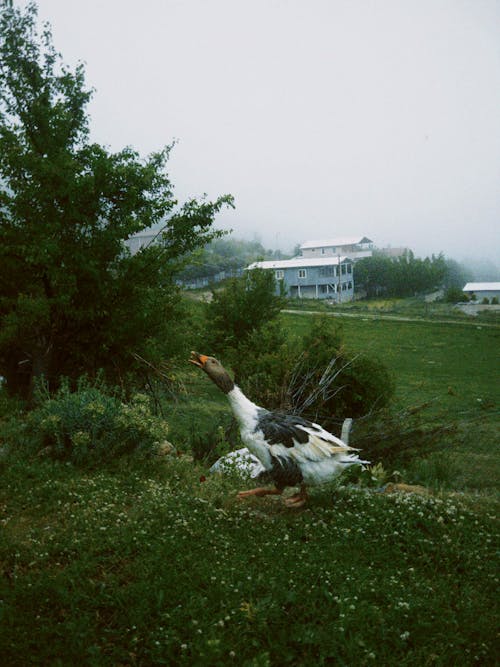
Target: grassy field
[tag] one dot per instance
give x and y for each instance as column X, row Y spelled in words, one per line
column 455, row 365
column 454, row 368
column 157, row 563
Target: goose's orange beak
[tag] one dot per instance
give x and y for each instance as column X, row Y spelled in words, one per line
column 198, row 359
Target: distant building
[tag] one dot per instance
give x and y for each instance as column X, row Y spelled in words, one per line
column 137, row 241
column 354, row 247
column 313, row 278
column 482, row 290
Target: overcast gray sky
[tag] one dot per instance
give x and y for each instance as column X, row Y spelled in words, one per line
column 322, row 118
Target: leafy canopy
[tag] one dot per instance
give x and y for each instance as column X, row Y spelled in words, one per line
column 400, row 276
column 72, row 299
column 243, row 307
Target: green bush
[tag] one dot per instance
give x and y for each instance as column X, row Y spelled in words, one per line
column 401, row 436
column 243, row 307
column 454, row 295
column 315, row 376
column 494, row 301
column 208, row 447
column 331, row 382
column 485, row 301
column 91, row 425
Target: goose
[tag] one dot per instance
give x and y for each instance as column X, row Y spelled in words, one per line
column 293, row 451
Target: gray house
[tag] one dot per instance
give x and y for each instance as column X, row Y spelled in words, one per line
column 313, row 278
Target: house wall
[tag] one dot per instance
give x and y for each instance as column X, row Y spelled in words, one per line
column 489, row 294
column 319, row 282
column 353, row 251
column 135, row 243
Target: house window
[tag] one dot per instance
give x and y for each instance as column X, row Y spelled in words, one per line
column 327, row 271
column 349, row 285
column 344, row 287
column 302, row 273
column 343, row 269
column 279, row 275
column 349, row 268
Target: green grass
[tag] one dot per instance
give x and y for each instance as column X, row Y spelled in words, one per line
column 150, row 565
column 157, row 563
column 454, row 369
column 452, row 364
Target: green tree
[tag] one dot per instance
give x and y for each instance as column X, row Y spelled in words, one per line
column 72, row 299
column 402, row 276
column 457, row 275
column 454, row 295
column 243, row 307
column 224, row 254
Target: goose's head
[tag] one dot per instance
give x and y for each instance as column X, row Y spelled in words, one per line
column 214, row 369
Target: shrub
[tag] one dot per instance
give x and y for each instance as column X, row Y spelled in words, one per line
column 331, row 383
column 485, row 300
column 399, row 436
column 454, row 295
column 91, row 425
column 243, row 307
column 494, row 301
column 315, row 376
column 208, row 447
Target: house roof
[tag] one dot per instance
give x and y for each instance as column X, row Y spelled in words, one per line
column 327, row 243
column 297, row 263
column 481, row 287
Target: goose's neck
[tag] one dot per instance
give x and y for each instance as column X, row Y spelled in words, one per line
column 244, row 410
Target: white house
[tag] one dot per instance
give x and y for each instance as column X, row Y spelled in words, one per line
column 482, row 290
column 354, row 247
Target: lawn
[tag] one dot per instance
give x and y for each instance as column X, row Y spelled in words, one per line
column 145, row 565
column 455, row 365
column 155, row 562
column 453, row 369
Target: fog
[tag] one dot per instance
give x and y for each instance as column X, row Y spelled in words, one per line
column 323, row 118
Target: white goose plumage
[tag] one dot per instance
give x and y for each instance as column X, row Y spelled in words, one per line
column 292, row 450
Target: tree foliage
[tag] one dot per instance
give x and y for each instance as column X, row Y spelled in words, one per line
column 225, row 254
column 332, row 381
column 455, row 295
column 400, row 276
column 72, row 299
column 242, row 308
column 457, row 275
